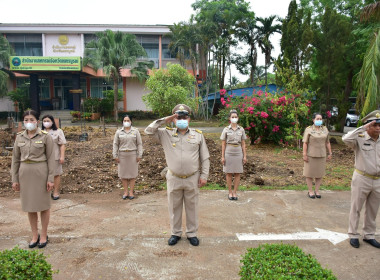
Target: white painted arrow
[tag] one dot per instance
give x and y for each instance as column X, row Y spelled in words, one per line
column 333, row 237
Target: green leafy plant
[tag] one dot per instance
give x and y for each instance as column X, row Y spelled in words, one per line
column 281, row 261
column 170, row 87
column 22, row 264
column 20, row 96
column 278, row 118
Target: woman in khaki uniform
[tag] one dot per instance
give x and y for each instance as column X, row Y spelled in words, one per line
column 48, row 124
column 315, row 141
column 127, row 151
column 233, row 153
column 33, row 175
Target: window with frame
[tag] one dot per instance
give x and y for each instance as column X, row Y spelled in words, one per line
column 26, row 44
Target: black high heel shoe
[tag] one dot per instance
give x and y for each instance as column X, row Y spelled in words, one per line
column 42, row 245
column 34, row 244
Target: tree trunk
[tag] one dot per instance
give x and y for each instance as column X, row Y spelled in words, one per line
column 115, row 97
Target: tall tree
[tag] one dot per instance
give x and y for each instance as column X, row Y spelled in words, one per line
column 368, row 78
column 113, row 51
column 297, row 38
column 224, row 16
column 265, row 30
column 328, row 66
column 5, row 52
column 247, row 33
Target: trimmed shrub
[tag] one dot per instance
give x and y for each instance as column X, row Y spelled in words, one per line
column 281, row 261
column 22, row 264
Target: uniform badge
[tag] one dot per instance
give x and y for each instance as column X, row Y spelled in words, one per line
column 378, row 115
column 38, row 142
column 173, row 144
column 361, row 135
column 181, row 107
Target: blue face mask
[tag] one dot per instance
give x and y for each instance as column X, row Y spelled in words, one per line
column 182, row 124
column 318, row 122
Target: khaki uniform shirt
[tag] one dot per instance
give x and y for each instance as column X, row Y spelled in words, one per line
column 233, row 136
column 316, row 140
column 58, row 139
column 367, row 150
column 38, row 148
column 127, row 141
column 183, row 153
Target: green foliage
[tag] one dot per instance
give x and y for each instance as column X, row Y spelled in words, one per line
column 170, row 87
column 297, row 37
column 21, row 97
column 22, row 264
column 104, row 105
column 279, row 118
column 368, row 79
column 112, row 51
column 5, row 52
column 281, row 261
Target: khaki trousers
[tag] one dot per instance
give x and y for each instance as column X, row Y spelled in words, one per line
column 180, row 192
column 364, row 189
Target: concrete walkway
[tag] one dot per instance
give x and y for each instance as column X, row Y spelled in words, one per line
column 101, row 236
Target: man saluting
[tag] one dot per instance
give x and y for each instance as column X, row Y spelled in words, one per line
column 185, row 149
column 365, row 185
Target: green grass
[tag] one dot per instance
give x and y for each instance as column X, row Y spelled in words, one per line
column 213, row 186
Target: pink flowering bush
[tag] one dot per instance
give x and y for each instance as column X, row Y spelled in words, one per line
column 279, row 118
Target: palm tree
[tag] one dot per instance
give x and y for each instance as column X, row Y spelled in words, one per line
column 113, row 51
column 265, row 30
column 5, row 52
column 368, row 79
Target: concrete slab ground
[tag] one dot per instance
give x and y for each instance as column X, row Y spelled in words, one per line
column 101, row 236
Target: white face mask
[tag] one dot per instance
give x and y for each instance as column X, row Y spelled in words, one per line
column 234, row 120
column 47, row 124
column 126, row 124
column 30, row 126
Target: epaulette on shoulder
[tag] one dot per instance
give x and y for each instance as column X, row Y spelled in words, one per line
column 18, row 133
column 169, row 128
column 309, row 126
column 361, row 135
column 199, row 131
column 44, row 132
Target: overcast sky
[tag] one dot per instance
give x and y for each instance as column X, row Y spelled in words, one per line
column 122, row 12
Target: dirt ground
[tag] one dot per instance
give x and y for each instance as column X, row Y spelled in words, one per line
column 89, row 167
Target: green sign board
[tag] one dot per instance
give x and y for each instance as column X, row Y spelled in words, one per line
column 45, row 63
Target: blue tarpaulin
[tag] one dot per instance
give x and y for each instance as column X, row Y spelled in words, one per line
column 272, row 88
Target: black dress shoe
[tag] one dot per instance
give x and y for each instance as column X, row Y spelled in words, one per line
column 42, row 245
column 317, row 195
column 173, row 240
column 34, row 244
column 311, row 195
column 354, row 242
column 372, row 242
column 193, row 240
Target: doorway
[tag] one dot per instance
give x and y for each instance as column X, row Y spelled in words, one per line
column 62, row 93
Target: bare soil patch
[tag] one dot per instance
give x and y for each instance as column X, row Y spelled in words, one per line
column 89, row 167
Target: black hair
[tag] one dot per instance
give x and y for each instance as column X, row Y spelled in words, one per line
column 31, row 112
column 125, row 116
column 53, row 127
column 233, row 112
column 316, row 114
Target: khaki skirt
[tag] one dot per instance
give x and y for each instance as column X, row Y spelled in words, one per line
column 315, row 168
column 234, row 159
column 58, row 168
column 128, row 166
column 33, row 182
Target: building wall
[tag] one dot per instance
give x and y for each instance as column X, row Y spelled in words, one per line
column 135, row 91
column 63, row 45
